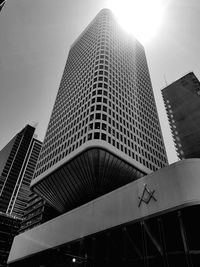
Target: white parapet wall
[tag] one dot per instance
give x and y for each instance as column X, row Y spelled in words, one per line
column 170, row 188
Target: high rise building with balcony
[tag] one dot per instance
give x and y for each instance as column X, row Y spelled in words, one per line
column 104, row 130
column 182, row 102
column 17, row 164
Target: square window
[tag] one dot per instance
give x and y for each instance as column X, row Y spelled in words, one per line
column 96, row 135
column 98, row 116
column 98, row 107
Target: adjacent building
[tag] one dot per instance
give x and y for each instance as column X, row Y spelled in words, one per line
column 17, row 164
column 9, row 227
column 36, row 212
column 182, row 102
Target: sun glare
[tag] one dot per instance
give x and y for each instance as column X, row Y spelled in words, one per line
column 142, row 18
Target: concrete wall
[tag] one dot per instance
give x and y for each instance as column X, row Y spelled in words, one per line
column 175, row 186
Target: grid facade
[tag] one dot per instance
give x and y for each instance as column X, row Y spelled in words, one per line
column 18, row 162
column 21, row 191
column 105, row 94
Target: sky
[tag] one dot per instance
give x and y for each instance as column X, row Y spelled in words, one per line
column 35, row 37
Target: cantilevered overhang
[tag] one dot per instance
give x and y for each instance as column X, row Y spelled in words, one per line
column 168, row 189
column 92, row 170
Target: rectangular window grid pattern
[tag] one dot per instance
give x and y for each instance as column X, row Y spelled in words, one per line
column 105, row 94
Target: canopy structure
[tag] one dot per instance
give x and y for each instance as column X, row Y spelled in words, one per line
column 158, row 194
column 92, row 171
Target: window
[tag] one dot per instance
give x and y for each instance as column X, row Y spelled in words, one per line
column 89, row 137
column 96, row 135
column 98, row 107
column 97, row 125
column 98, row 116
column 103, row 136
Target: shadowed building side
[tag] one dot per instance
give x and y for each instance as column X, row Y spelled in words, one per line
column 36, row 212
column 182, row 102
column 18, row 160
column 90, row 174
column 9, row 226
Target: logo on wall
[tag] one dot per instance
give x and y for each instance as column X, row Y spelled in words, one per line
column 147, row 195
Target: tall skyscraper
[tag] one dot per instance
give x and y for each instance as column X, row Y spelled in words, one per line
column 182, row 104
column 104, row 130
column 103, row 133
column 17, row 164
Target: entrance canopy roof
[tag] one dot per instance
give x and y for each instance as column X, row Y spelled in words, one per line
column 170, row 188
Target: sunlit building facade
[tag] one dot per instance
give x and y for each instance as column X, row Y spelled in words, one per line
column 104, row 121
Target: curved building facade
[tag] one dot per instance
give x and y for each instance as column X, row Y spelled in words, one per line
column 104, row 112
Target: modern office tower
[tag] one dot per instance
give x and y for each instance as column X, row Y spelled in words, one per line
column 104, row 130
column 17, row 164
column 9, row 226
column 182, row 102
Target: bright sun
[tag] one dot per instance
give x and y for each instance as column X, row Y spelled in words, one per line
column 142, row 18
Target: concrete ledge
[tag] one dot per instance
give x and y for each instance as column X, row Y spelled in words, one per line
column 87, row 146
column 175, row 186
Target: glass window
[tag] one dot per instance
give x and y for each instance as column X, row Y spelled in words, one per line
column 97, row 125
column 103, row 136
column 96, row 135
column 98, row 116
column 89, row 137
